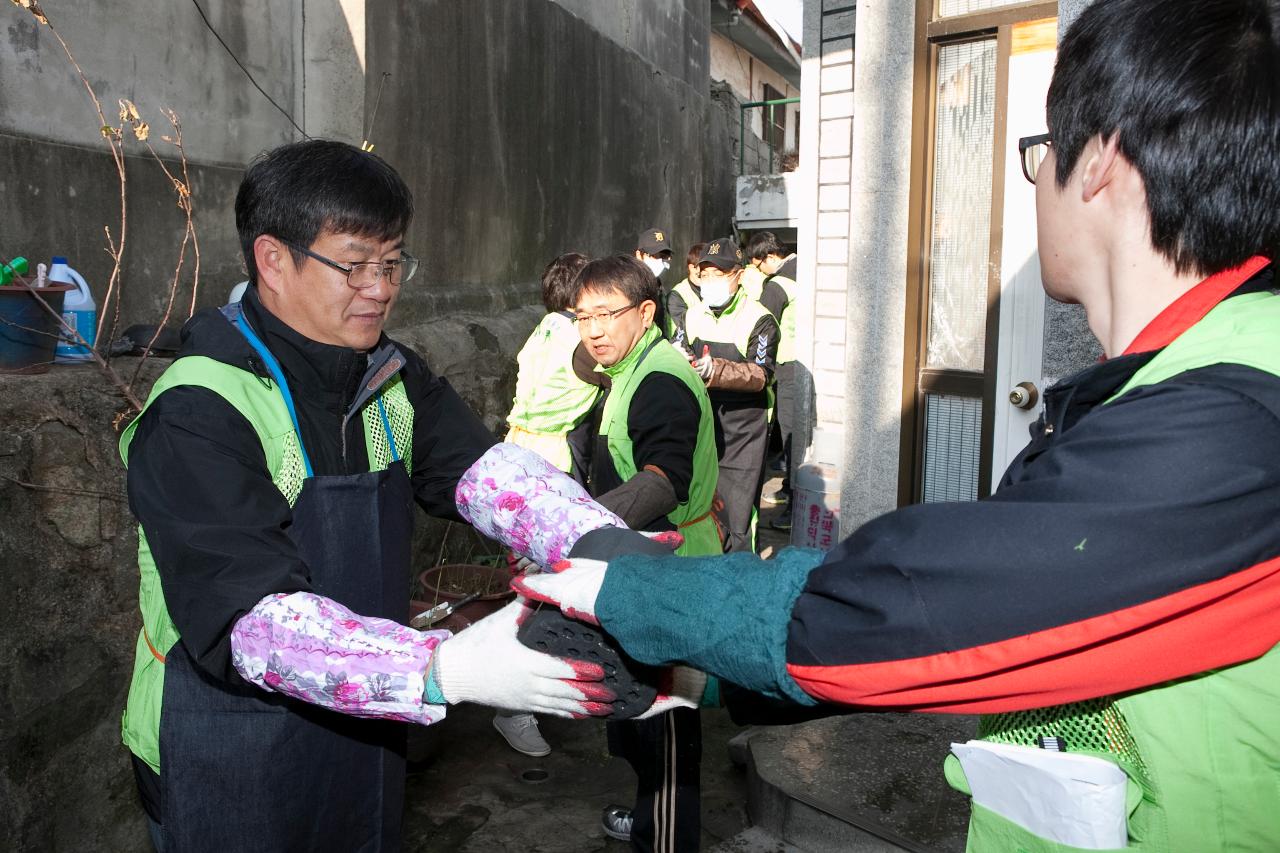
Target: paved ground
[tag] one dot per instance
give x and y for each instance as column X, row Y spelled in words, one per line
column 468, row 791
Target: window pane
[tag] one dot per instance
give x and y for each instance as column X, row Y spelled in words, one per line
column 947, row 8
column 961, row 237
column 952, row 444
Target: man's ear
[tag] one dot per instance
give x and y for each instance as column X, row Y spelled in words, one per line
column 648, row 309
column 1099, row 165
column 271, row 256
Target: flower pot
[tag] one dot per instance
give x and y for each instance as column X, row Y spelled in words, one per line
column 28, row 332
column 455, row 581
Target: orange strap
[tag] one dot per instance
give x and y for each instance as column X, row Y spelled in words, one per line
column 154, row 653
column 692, row 522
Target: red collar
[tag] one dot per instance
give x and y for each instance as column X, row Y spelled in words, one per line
column 1190, row 308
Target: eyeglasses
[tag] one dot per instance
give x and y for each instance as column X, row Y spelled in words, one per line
column 366, row 274
column 1032, row 150
column 604, row 318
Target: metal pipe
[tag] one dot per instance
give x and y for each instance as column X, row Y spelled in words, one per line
column 742, row 127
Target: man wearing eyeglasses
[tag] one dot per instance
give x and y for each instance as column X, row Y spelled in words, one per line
column 654, row 464
column 273, row 472
column 1135, row 622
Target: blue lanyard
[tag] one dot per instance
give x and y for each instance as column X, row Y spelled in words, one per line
column 274, row 367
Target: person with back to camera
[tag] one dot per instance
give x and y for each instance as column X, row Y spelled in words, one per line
column 1137, row 623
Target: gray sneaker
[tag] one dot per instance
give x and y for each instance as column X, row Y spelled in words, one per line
column 616, row 822
column 521, row 733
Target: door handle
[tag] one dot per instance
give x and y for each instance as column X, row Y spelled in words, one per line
column 1024, row 395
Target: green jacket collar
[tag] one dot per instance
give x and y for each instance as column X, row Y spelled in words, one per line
column 629, row 360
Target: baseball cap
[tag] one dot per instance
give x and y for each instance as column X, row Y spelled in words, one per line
column 653, row 241
column 722, row 252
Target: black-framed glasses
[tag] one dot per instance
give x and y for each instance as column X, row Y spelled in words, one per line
column 366, row 274
column 1031, row 149
column 604, row 318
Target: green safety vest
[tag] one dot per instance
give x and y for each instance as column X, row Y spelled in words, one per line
column 550, row 398
column 692, row 518
column 734, row 325
column 1226, row 719
column 787, row 322
column 263, row 407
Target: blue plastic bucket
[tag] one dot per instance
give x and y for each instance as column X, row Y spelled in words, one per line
column 28, row 332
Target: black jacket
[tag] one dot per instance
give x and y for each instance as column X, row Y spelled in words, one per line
column 199, row 485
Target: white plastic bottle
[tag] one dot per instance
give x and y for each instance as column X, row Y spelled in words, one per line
column 79, row 311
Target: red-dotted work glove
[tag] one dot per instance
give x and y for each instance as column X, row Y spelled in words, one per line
column 488, row 665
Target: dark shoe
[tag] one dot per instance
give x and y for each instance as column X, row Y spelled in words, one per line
column 782, row 522
column 616, row 822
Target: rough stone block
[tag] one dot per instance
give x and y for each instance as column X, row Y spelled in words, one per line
column 838, row 105
column 829, row 304
column 833, row 170
column 838, row 24
column 833, row 197
column 833, row 277
column 837, row 78
column 833, row 224
column 835, row 139
column 833, row 251
column 837, row 50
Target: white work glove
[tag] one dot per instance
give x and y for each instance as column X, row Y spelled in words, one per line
column 572, row 585
column 683, row 350
column 682, row 687
column 486, row 664
column 705, row 366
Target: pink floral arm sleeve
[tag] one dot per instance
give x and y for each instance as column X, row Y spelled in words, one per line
column 312, row 648
column 515, row 496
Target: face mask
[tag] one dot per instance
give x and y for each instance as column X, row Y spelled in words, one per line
column 657, row 266
column 715, row 291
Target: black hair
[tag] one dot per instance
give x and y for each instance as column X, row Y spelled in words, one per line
column 695, row 252
column 622, row 273
column 763, row 244
column 301, row 190
column 559, row 279
column 1190, row 88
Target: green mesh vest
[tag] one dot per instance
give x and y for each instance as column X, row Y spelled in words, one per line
column 264, row 409
column 693, row 517
column 1153, row 733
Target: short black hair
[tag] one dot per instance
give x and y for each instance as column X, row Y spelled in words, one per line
column 559, row 279
column 695, row 252
column 301, row 190
column 622, row 273
column 1190, row 89
column 763, row 244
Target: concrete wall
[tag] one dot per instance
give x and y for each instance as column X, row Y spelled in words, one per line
column 525, row 131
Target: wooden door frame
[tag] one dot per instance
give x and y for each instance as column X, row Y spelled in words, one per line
column 931, row 33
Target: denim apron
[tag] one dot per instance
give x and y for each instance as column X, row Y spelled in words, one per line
column 244, row 769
